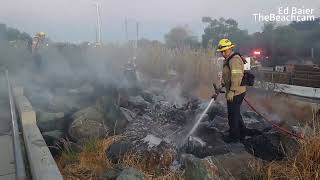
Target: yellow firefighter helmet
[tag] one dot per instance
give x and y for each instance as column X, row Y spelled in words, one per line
column 225, row 44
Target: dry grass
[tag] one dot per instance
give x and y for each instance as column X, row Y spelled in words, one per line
column 137, row 162
column 304, row 165
column 289, row 109
column 92, row 162
column 88, row 164
column 193, row 67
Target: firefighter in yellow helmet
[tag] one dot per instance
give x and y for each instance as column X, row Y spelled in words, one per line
column 41, row 34
column 37, row 41
column 232, row 74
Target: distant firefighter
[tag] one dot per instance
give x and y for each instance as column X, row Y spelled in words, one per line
column 37, row 42
column 130, row 71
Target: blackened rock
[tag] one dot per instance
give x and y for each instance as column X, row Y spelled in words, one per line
column 170, row 113
column 252, row 115
column 138, row 102
column 52, row 136
column 113, row 117
column 266, row 146
column 202, row 149
column 219, row 123
column 128, row 114
column 118, row 150
column 177, row 116
column 217, row 109
column 148, row 96
column 48, row 121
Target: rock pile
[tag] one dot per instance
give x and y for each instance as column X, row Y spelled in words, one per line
column 153, row 128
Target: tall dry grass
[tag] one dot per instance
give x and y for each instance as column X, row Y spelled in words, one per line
column 279, row 106
column 304, row 165
column 193, row 67
column 92, row 162
column 88, row 164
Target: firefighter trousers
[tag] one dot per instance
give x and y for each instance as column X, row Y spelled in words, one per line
column 237, row 127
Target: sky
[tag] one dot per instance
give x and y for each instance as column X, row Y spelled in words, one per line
column 74, row 20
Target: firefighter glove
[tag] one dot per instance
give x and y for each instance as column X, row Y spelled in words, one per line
column 230, row 96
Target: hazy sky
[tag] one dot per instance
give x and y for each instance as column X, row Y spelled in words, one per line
column 74, row 20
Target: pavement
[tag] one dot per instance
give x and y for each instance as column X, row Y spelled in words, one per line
column 7, row 166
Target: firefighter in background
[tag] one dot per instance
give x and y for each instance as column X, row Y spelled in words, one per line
column 130, row 71
column 232, row 74
column 37, row 42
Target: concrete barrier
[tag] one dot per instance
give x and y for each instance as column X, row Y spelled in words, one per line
column 41, row 162
column 302, row 91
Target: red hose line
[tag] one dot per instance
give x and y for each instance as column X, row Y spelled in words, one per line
column 283, row 130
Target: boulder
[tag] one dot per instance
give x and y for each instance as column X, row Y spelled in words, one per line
column 209, row 146
column 131, row 174
column 233, row 164
column 147, row 96
column 114, row 118
column 196, row 168
column 48, row 121
column 63, row 104
column 90, row 117
column 55, row 135
column 52, row 136
column 266, row 146
column 118, row 150
column 225, row 166
column 128, row 114
column 170, row 113
column 82, row 129
column 177, row 116
column 138, row 102
column 216, row 109
column 89, row 113
column 53, row 140
column 219, row 124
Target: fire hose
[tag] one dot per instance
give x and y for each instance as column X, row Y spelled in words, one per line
column 277, row 127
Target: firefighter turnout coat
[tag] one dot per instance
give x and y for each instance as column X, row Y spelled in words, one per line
column 232, row 75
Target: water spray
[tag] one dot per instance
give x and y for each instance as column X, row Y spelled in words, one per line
column 195, row 126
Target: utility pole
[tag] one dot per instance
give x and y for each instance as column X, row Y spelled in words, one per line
column 126, row 28
column 98, row 25
column 134, row 42
column 312, row 53
column 137, row 26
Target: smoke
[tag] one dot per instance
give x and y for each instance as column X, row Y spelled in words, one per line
column 281, row 108
column 66, row 66
column 174, row 95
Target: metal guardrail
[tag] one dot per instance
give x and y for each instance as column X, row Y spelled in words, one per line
column 19, row 162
